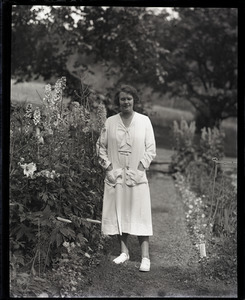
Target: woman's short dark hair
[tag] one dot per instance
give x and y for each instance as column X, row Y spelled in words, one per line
column 129, row 90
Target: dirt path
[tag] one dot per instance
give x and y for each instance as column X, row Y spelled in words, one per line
column 175, row 270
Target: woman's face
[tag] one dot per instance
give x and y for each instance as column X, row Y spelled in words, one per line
column 126, row 102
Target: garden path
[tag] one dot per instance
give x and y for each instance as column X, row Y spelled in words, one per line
column 175, row 268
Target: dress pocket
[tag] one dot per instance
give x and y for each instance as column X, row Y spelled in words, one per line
column 113, row 177
column 135, row 177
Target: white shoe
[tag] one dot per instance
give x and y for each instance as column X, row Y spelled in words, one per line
column 121, row 258
column 145, row 264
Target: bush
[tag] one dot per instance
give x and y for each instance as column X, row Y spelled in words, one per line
column 184, row 145
column 197, row 162
column 190, row 146
column 211, row 145
column 54, row 172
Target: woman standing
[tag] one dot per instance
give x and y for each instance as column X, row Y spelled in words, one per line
column 126, row 148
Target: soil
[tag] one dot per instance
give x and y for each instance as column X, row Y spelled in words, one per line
column 176, row 270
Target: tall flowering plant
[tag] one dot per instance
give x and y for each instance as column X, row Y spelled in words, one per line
column 208, row 193
column 54, row 172
column 184, row 153
column 211, row 144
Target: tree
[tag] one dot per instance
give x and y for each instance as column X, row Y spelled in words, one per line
column 120, row 38
column 39, row 45
column 202, row 62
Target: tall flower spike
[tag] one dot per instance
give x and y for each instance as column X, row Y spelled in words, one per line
column 63, row 81
column 101, row 115
column 37, row 116
column 28, row 113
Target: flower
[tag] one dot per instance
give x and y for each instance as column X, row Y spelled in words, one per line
column 40, row 140
column 48, row 174
column 101, row 114
column 85, row 129
column 28, row 113
column 29, row 169
column 36, row 116
column 66, row 244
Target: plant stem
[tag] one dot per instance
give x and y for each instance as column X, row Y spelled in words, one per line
column 46, row 258
column 215, row 174
column 39, row 259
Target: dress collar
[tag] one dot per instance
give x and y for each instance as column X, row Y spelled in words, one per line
column 132, row 121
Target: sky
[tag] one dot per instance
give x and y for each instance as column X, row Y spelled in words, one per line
column 157, row 10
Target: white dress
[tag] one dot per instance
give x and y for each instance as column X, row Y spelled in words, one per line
column 126, row 201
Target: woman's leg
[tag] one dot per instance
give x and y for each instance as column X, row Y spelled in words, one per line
column 123, row 240
column 124, row 256
column 144, row 245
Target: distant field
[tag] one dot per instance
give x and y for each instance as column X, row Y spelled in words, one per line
column 162, row 117
column 31, row 92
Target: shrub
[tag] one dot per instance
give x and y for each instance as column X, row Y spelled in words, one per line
column 184, row 146
column 191, row 147
column 197, row 159
column 54, row 171
column 211, row 145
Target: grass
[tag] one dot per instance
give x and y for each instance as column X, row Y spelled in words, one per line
column 27, row 91
column 163, row 116
column 31, row 92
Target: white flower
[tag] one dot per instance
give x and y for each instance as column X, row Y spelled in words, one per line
column 37, row 116
column 40, row 140
column 85, row 130
column 29, row 169
column 66, row 244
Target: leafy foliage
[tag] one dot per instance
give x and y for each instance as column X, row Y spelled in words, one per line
column 183, row 138
column 212, row 224
column 192, row 148
column 53, row 172
column 120, row 38
column 202, row 61
column 208, row 192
